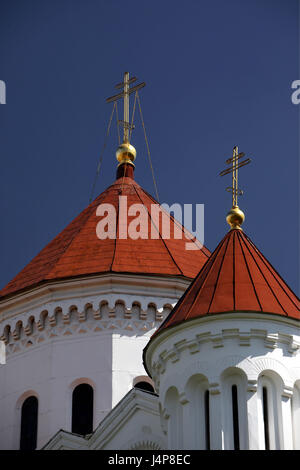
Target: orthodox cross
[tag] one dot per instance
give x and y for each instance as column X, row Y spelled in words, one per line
column 236, row 164
column 125, row 94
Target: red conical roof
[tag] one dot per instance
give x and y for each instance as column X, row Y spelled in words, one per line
column 77, row 251
column 236, row 278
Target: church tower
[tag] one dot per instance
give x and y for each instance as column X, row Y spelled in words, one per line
column 226, row 361
column 75, row 320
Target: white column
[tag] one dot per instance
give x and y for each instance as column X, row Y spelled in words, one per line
column 188, row 434
column 287, row 425
column 296, row 417
column 215, row 417
column 255, row 418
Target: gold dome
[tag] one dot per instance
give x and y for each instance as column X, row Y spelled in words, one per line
column 235, row 217
column 126, row 153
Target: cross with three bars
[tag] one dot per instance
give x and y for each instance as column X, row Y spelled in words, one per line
column 125, row 94
column 236, row 164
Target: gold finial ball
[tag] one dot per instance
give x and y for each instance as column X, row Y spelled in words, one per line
column 126, row 153
column 235, row 217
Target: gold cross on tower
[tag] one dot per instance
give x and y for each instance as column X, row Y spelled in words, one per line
column 126, row 153
column 235, row 217
column 125, row 94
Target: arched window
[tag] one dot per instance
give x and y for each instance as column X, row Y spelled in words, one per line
column 29, row 423
column 82, row 409
column 266, row 417
column 207, row 420
column 234, row 402
column 270, row 388
column 235, row 417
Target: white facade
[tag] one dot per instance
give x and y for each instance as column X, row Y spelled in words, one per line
column 212, row 374
column 256, row 354
column 90, row 330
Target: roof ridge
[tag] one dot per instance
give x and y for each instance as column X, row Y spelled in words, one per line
column 249, row 273
column 115, row 247
column 89, row 213
column 283, row 309
column 218, row 275
column 161, row 238
column 90, row 207
column 207, row 266
column 266, row 263
column 36, row 257
column 183, row 229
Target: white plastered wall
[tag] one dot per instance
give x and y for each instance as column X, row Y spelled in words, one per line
column 85, row 331
column 216, row 348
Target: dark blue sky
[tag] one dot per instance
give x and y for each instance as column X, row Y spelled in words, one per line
column 218, row 74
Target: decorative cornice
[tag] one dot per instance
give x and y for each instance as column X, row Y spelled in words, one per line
column 187, row 332
column 189, row 342
column 87, row 287
column 62, row 322
column 271, row 341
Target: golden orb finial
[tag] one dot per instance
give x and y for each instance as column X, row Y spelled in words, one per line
column 126, row 153
column 235, row 218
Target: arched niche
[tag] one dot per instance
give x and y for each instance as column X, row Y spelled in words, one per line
column 198, row 412
column 174, row 415
column 234, row 406
column 270, row 388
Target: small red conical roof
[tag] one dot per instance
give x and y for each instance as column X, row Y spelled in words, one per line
column 77, row 251
column 236, row 278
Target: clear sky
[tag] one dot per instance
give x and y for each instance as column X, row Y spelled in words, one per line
column 218, row 74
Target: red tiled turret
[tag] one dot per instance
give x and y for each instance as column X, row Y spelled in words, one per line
column 236, row 278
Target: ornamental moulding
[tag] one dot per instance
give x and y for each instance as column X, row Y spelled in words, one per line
column 252, row 367
column 29, row 329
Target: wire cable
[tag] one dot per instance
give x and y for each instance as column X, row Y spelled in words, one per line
column 101, row 155
column 117, row 117
column 147, row 144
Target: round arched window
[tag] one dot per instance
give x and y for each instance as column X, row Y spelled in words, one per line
column 29, row 424
column 82, row 409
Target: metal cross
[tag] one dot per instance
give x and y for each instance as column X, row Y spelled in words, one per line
column 236, row 164
column 125, row 94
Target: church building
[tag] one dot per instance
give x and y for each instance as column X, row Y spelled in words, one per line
column 138, row 343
